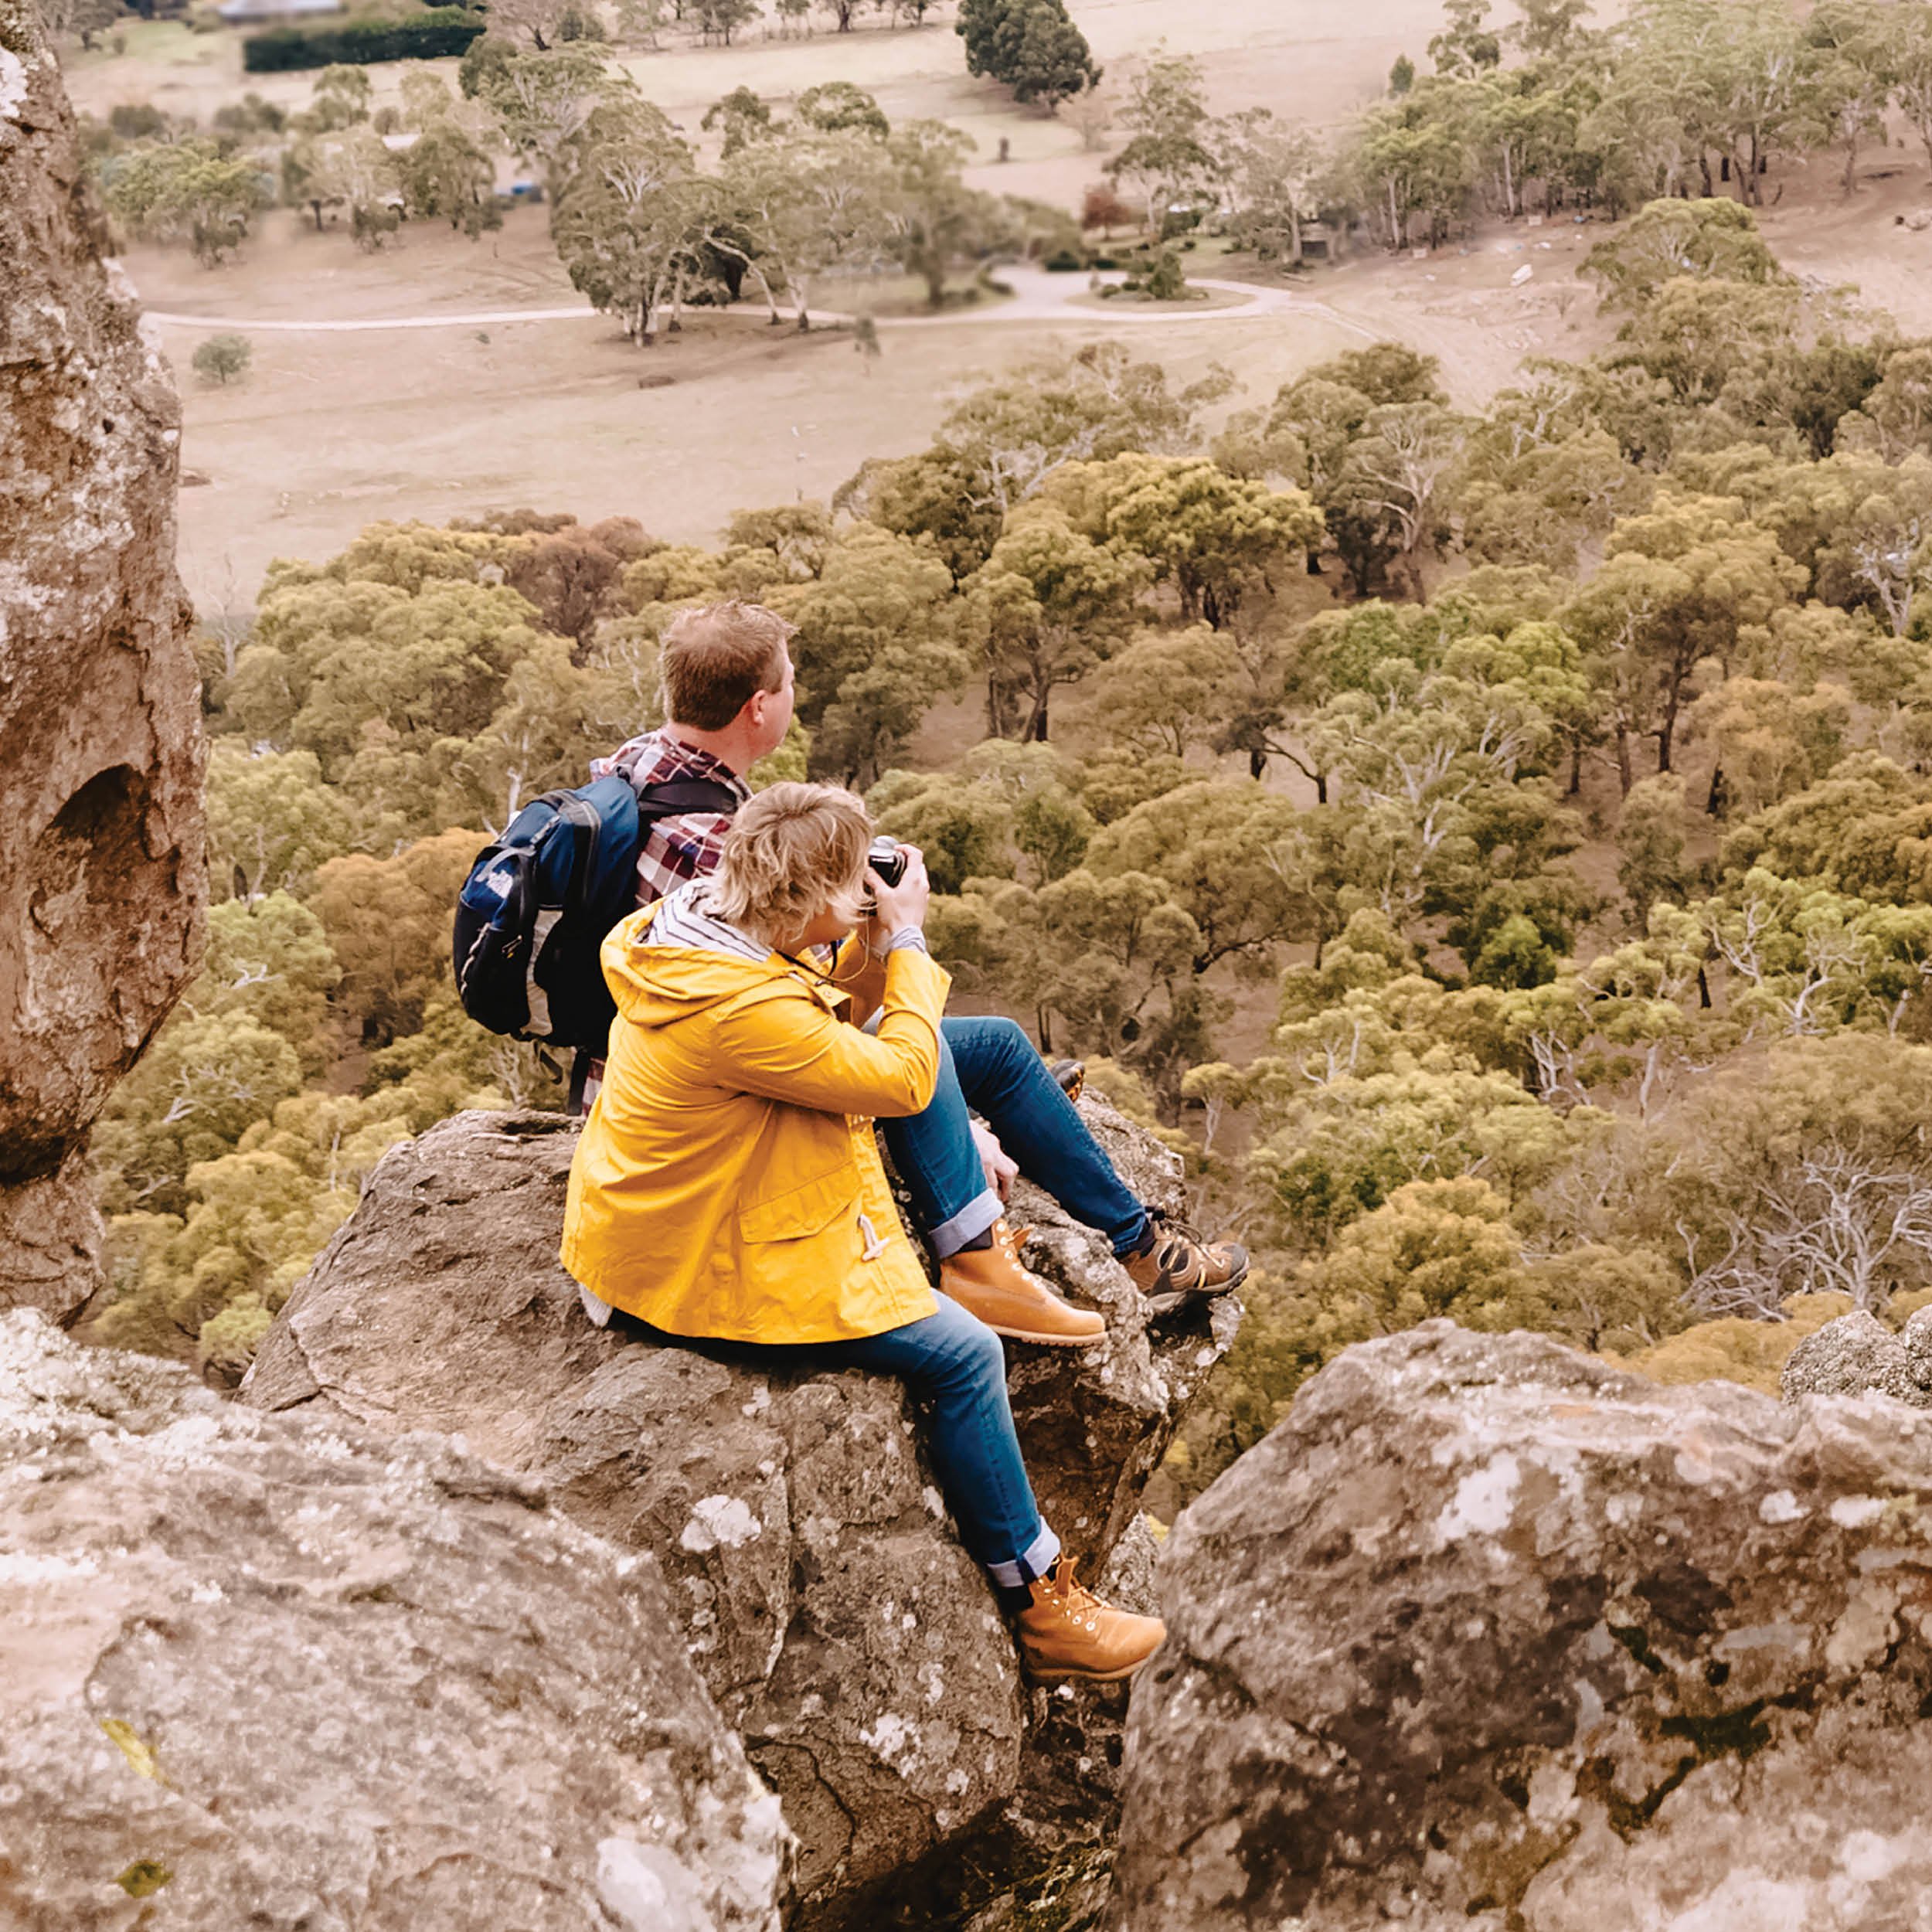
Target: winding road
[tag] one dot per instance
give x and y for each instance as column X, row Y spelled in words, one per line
column 1037, row 297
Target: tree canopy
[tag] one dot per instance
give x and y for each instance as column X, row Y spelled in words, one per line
column 1492, row 842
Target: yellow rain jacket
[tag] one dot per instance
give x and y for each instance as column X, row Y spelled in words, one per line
column 727, row 1182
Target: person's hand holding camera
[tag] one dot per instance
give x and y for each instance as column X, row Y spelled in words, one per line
column 900, row 905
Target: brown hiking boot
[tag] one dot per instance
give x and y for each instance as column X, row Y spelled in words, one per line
column 1181, row 1266
column 1067, row 1632
column 991, row 1284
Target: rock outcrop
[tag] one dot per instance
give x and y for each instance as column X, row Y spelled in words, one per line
column 1858, row 1353
column 1489, row 1633
column 841, row 1627
column 275, row 1671
column 100, row 868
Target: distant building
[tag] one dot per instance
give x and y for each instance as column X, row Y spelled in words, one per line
column 273, row 13
column 1320, row 243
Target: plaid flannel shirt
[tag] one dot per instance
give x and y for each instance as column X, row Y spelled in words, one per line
column 686, row 847
column 674, row 850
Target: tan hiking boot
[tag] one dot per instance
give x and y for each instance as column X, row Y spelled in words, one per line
column 1067, row 1632
column 991, row 1284
column 1181, row 1266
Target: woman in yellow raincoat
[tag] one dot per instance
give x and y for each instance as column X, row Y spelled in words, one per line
column 728, row 1189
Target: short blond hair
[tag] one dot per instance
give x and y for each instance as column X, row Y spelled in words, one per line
column 794, row 852
column 712, row 661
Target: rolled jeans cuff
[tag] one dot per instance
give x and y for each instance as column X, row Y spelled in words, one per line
column 1030, row 1564
column 968, row 1224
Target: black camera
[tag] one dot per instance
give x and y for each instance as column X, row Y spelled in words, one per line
column 887, row 858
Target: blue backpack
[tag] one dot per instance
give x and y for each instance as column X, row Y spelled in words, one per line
column 537, row 905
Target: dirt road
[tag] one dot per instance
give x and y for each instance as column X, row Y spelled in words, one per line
column 1037, row 297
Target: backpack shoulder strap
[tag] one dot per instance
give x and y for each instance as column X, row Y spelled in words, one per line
column 570, row 806
column 674, row 796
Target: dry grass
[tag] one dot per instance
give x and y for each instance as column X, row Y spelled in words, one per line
column 331, row 431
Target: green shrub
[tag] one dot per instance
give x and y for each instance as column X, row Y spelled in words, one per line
column 1063, row 261
column 1163, row 280
column 482, row 62
column 223, row 358
column 137, row 120
column 440, row 31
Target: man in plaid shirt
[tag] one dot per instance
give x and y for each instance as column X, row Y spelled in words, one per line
column 727, row 676
column 686, row 847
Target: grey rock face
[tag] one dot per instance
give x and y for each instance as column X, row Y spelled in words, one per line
column 1488, row 1634
column 1916, row 1338
column 1857, row 1353
column 837, row 1619
column 276, row 1671
column 100, row 872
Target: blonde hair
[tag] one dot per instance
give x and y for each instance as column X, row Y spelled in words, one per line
column 712, row 661
column 794, row 852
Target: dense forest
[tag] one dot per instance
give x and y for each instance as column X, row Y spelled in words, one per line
column 1555, row 781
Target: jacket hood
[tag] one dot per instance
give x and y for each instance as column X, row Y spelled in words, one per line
column 673, row 961
column 657, row 986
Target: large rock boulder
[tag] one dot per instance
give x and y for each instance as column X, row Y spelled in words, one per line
column 100, row 868
column 275, row 1671
column 1858, row 1353
column 1488, row 1633
column 839, row 1623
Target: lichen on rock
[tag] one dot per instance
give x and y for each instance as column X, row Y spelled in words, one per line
column 278, row 1670
column 1857, row 1353
column 1490, row 1633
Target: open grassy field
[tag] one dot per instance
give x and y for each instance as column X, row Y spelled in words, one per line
column 333, row 430
column 336, row 426
column 330, row 430
column 1314, row 60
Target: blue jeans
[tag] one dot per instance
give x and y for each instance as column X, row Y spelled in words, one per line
column 990, row 1067
column 953, row 1361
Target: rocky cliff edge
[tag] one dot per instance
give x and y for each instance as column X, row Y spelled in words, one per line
column 102, row 888
column 841, row 1628
column 1490, row 1635
column 278, row 1671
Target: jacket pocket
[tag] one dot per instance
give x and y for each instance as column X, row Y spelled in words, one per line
column 807, row 1209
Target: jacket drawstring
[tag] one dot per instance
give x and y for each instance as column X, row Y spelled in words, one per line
column 874, row 1246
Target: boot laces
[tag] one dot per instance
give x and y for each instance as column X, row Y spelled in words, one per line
column 1174, row 1226
column 1186, row 1253
column 1072, row 1598
column 1010, row 1241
